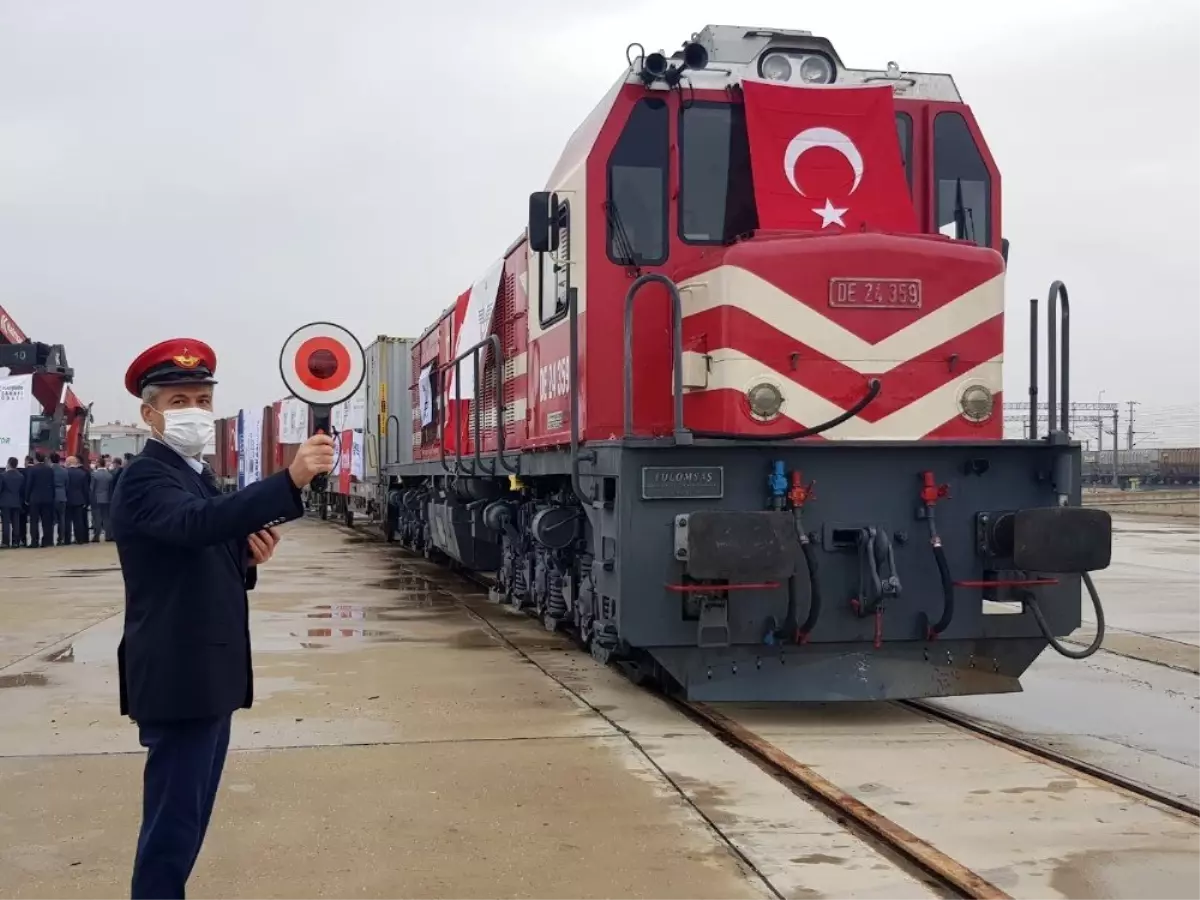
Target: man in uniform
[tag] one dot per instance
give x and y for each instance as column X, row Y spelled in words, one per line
column 188, row 556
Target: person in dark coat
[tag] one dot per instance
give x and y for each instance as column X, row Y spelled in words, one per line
column 99, row 496
column 39, row 497
column 78, row 489
column 188, row 556
column 60, row 498
column 12, row 499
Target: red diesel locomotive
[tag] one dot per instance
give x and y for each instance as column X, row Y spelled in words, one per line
column 730, row 409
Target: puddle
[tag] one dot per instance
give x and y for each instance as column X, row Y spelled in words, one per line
column 24, row 679
column 350, row 633
column 96, row 645
column 415, row 584
column 86, row 573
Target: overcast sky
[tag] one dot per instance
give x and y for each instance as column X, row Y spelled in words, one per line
column 232, row 169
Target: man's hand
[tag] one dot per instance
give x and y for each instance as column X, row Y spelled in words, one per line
column 315, row 457
column 262, row 545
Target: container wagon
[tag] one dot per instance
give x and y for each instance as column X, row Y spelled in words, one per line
column 374, row 433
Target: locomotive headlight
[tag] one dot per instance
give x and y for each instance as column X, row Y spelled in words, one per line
column 776, row 67
column 765, row 400
column 785, row 65
column 816, row 70
column 976, row 403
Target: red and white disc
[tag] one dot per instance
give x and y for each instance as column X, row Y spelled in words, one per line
column 322, row 364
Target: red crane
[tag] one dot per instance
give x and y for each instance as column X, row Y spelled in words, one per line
column 61, row 424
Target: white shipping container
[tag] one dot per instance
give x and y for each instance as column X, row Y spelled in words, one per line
column 388, row 421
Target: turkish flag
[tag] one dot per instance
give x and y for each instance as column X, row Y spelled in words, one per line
column 826, row 159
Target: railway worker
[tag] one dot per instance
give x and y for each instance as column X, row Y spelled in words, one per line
column 188, row 556
column 12, row 499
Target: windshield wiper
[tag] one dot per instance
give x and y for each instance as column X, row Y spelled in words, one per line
column 624, row 244
column 962, row 215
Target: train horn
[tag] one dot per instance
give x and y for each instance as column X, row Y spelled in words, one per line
column 654, row 66
column 694, row 56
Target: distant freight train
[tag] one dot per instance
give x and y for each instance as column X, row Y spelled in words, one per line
column 1149, row 466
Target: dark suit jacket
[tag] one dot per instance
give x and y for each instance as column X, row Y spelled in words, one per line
column 12, row 489
column 39, row 483
column 184, row 556
column 77, row 486
column 60, row 482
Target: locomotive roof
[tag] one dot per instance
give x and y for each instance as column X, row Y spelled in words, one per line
column 734, row 54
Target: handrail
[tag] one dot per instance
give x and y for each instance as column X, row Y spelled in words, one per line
column 681, row 434
column 1033, row 368
column 1058, row 291
column 476, row 465
column 573, row 376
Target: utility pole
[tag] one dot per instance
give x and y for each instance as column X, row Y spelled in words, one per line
column 1129, row 441
column 1116, row 480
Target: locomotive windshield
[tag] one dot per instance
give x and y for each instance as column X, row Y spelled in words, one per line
column 717, row 193
column 963, row 183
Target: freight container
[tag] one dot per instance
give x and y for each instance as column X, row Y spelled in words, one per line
column 373, row 430
column 388, row 430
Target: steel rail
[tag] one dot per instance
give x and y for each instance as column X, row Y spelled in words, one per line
column 947, row 871
column 1078, row 766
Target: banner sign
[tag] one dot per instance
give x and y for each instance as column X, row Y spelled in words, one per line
column 425, row 388
column 250, row 428
column 16, row 407
column 293, row 421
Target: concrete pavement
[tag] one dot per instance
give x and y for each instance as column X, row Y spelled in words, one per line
column 395, row 749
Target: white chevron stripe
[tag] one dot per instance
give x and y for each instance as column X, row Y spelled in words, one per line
column 732, row 369
column 516, row 366
column 735, row 286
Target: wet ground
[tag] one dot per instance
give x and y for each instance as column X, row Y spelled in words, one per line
column 396, row 748
column 1133, row 707
column 407, row 741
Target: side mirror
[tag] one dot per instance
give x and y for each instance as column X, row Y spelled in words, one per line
column 543, row 233
column 1004, row 250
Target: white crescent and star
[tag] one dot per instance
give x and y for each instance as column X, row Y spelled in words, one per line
column 809, row 139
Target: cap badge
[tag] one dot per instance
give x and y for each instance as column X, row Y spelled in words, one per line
column 186, row 361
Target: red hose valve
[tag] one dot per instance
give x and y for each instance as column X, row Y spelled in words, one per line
column 931, row 491
column 800, row 492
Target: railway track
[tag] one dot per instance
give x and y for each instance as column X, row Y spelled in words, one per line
column 1063, row 760
column 947, row 875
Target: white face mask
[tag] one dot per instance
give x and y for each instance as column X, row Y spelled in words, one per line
column 188, row 431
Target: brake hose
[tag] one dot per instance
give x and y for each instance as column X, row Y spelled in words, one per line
column 872, row 392
column 1030, row 601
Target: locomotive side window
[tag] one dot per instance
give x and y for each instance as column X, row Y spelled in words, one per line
column 554, row 274
column 716, row 200
column 637, row 187
column 904, row 131
column 963, row 184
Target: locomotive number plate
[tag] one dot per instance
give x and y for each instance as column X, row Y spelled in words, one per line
column 683, row 482
column 875, row 293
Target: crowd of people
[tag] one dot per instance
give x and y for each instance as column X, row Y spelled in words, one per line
column 51, row 501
